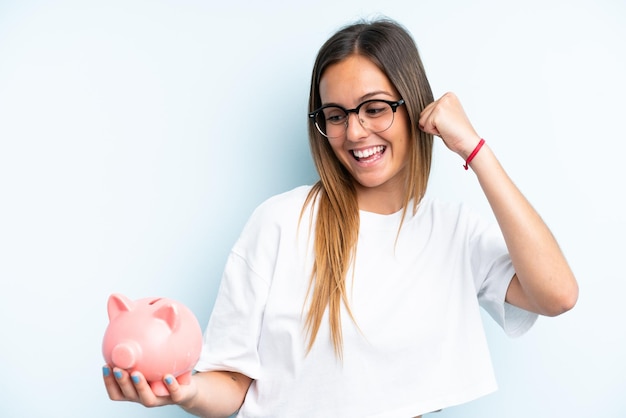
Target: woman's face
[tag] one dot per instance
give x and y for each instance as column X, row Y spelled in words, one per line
column 376, row 161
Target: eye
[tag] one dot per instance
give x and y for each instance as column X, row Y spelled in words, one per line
column 375, row 108
column 334, row 115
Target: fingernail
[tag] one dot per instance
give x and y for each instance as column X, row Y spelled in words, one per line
column 118, row 374
column 135, row 379
column 106, row 371
column 169, row 380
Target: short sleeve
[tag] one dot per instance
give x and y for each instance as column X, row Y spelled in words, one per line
column 232, row 334
column 231, row 339
column 493, row 272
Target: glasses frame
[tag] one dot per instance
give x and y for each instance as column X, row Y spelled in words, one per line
column 394, row 106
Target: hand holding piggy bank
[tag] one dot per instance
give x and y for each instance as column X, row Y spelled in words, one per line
column 155, row 336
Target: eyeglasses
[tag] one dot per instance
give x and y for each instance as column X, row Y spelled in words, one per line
column 377, row 116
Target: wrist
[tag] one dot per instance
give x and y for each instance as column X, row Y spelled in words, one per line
column 468, row 146
column 470, row 157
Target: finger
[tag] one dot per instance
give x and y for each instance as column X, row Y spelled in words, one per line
column 428, row 108
column 180, row 390
column 174, row 387
column 144, row 391
column 426, row 111
column 113, row 389
column 427, row 120
column 127, row 387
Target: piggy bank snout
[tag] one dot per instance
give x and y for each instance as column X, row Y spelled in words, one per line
column 126, row 354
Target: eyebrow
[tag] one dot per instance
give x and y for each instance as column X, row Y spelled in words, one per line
column 374, row 93
column 363, row 98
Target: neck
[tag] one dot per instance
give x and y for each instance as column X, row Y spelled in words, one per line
column 379, row 200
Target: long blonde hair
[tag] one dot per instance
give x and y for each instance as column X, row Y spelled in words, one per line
column 392, row 49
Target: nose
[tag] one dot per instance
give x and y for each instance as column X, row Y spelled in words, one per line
column 355, row 129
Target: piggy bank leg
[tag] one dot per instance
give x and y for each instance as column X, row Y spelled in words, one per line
column 159, row 388
column 184, row 378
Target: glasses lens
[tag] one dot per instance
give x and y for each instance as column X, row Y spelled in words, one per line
column 374, row 115
column 331, row 121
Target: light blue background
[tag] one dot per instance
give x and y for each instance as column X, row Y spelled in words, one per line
column 137, row 136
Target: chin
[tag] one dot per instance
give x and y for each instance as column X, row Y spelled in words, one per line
column 370, row 183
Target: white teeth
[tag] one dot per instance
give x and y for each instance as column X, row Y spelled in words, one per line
column 368, row 152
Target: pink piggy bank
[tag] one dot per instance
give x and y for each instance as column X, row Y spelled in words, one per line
column 155, row 336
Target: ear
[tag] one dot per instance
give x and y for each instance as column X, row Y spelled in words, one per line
column 118, row 304
column 169, row 314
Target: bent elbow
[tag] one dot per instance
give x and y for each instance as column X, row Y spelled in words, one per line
column 564, row 301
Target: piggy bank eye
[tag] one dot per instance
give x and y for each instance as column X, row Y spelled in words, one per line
column 152, row 302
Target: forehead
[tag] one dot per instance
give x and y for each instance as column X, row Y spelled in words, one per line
column 352, row 80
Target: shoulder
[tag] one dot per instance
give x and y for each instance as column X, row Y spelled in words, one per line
column 437, row 208
column 449, row 215
column 295, row 195
column 279, row 212
column 272, row 223
column 283, row 204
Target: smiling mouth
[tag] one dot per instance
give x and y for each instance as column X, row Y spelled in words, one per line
column 369, row 153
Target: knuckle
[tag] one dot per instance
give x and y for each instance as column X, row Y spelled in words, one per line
column 150, row 403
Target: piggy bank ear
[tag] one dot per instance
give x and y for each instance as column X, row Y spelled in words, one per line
column 118, row 304
column 169, row 314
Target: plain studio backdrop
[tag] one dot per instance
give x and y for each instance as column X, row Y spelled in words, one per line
column 136, row 137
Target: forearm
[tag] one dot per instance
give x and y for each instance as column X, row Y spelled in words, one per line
column 220, row 394
column 546, row 284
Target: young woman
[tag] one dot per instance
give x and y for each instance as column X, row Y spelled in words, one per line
column 358, row 296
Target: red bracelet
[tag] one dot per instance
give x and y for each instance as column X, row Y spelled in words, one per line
column 473, row 154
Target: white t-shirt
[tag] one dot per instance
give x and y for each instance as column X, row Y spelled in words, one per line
column 418, row 343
